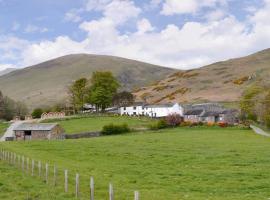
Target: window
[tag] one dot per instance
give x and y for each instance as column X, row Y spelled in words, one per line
column 134, row 108
column 125, row 108
column 134, row 113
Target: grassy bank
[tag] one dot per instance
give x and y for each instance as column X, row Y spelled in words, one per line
column 3, row 127
column 95, row 123
column 182, row 163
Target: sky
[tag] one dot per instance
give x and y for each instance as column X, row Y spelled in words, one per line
column 182, row 34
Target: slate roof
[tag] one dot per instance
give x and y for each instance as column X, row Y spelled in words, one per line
column 210, row 114
column 160, row 105
column 35, row 127
column 194, row 112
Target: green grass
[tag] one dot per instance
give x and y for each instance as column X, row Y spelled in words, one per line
column 95, row 123
column 182, row 163
column 3, row 127
column 17, row 185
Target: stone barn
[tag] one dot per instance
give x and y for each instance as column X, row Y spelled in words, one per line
column 38, row 131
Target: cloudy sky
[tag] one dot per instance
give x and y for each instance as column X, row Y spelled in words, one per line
column 182, row 34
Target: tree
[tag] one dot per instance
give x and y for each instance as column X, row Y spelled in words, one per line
column 78, row 93
column 103, row 87
column 36, row 114
column 123, row 99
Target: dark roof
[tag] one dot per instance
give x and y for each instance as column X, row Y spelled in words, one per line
column 160, row 105
column 194, row 112
column 35, row 127
column 211, row 113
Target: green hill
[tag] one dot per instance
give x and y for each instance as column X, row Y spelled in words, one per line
column 46, row 83
column 221, row 82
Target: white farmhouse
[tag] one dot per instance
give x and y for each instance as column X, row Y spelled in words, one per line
column 159, row 110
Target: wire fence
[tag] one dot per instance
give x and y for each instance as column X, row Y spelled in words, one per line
column 52, row 176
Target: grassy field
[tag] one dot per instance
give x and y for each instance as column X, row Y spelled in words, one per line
column 16, row 185
column 95, row 123
column 182, row 163
column 3, row 127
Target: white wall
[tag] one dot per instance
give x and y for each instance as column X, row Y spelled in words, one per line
column 153, row 111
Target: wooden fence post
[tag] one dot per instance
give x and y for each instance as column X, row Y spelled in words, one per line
column 23, row 163
column 66, row 180
column 46, row 173
column 14, row 159
column 19, row 160
column 39, row 168
column 77, row 185
column 111, row 196
column 136, row 195
column 27, row 165
column 92, row 188
column 54, row 175
column 33, row 167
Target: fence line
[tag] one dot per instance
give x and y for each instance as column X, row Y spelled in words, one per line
column 23, row 163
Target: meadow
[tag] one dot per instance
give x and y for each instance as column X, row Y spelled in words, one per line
column 3, row 127
column 95, row 123
column 174, row 164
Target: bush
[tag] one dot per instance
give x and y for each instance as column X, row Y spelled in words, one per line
column 267, row 121
column 186, row 123
column 173, row 120
column 211, row 124
column 160, row 124
column 112, row 129
column 222, row 124
column 37, row 113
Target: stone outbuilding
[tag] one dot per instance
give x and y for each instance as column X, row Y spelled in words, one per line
column 38, row 131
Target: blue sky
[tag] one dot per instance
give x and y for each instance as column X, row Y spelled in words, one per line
column 182, row 34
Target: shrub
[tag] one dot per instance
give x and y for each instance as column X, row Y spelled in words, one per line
column 112, row 129
column 267, row 121
column 185, row 123
column 37, row 113
column 211, row 124
column 173, row 120
column 160, row 124
column 222, row 124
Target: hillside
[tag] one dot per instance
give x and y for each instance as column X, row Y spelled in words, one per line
column 221, row 82
column 6, row 71
column 46, row 83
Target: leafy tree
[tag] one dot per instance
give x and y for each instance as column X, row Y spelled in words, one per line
column 36, row 114
column 103, row 87
column 123, row 99
column 248, row 102
column 78, row 91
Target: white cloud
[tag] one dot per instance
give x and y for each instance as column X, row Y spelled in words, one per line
column 171, row 7
column 193, row 45
column 215, row 15
column 73, row 15
column 34, row 29
column 96, row 4
column 6, row 66
column 144, row 26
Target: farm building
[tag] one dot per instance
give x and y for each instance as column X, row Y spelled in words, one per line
column 38, row 131
column 158, row 110
column 210, row 113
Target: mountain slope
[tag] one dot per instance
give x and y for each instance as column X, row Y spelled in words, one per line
column 46, row 83
column 222, row 81
column 6, row 71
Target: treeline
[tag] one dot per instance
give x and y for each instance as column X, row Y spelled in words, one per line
column 10, row 108
column 255, row 103
column 101, row 91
